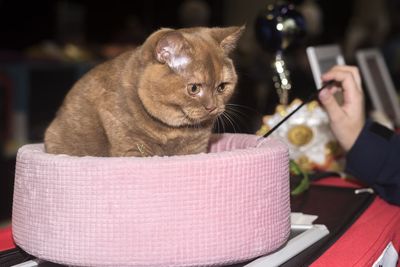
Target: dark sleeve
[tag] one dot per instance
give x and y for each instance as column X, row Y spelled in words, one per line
column 375, row 160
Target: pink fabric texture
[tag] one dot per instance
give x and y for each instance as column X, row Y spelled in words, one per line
column 226, row 206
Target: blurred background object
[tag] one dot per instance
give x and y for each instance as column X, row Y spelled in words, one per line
column 194, row 13
column 278, row 28
column 366, row 28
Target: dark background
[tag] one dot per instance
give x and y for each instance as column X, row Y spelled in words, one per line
column 35, row 34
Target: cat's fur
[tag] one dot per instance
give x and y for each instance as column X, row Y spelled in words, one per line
column 159, row 99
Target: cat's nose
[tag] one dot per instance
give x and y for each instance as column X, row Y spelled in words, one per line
column 210, row 108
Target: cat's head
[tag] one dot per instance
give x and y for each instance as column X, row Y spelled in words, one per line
column 189, row 76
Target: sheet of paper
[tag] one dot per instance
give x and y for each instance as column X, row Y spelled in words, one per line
column 301, row 218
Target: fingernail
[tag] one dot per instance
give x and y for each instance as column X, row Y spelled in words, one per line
column 323, row 95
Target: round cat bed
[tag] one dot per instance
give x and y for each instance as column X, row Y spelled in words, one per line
column 226, row 206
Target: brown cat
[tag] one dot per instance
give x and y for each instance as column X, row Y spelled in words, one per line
column 159, row 99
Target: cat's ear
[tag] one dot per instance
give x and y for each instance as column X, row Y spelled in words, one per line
column 228, row 37
column 173, row 50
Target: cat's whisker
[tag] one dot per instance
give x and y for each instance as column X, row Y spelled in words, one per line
column 238, row 116
column 216, row 125
column 223, row 124
column 234, row 121
column 237, row 109
column 233, row 105
column 221, row 119
column 242, row 118
column 220, row 125
column 230, row 120
column 196, row 125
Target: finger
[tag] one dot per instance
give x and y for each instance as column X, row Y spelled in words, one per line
column 352, row 98
column 354, row 71
column 347, row 80
column 344, row 69
column 333, row 89
column 329, row 102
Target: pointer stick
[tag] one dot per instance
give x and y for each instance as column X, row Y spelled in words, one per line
column 312, row 97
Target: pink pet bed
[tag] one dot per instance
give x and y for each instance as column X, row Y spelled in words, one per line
column 226, row 206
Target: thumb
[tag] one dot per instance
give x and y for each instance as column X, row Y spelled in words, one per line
column 330, row 104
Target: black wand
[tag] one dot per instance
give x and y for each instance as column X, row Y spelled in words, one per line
column 309, row 99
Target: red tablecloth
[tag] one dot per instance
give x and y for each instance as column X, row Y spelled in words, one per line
column 367, row 238
column 6, row 241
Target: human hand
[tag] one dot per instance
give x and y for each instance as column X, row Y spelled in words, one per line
column 346, row 120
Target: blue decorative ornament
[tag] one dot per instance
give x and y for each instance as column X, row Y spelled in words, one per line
column 279, row 26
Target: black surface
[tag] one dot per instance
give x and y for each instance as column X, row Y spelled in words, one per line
column 7, row 170
column 337, row 208
column 13, row 257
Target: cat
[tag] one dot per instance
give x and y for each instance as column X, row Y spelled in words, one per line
column 161, row 98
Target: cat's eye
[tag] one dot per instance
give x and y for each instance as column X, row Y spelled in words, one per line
column 194, row 89
column 221, row 87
